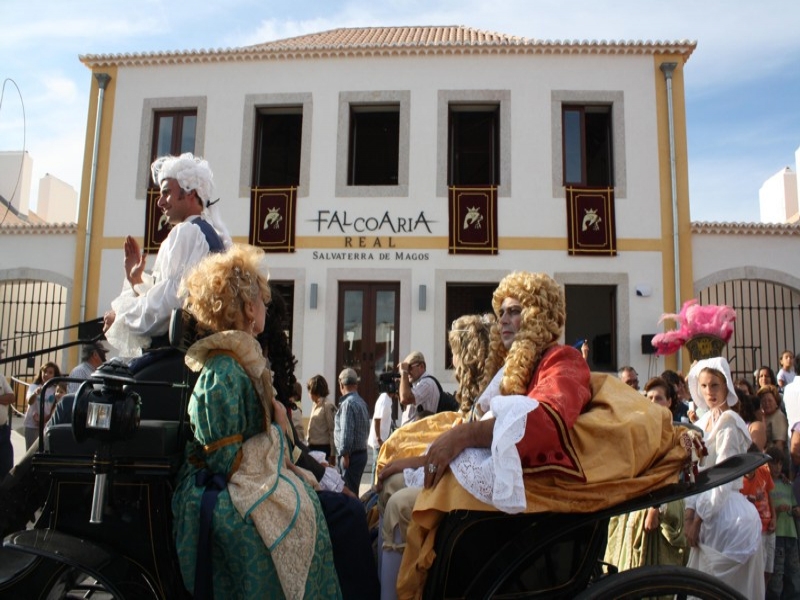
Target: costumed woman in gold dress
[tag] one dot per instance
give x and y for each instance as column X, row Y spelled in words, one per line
column 552, row 437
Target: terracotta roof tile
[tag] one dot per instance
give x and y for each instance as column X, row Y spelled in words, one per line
column 375, row 37
column 385, row 41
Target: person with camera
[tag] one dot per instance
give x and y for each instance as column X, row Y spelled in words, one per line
column 419, row 393
column 384, row 415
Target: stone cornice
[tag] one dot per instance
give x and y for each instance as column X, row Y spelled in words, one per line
column 41, row 229
column 714, row 228
column 399, row 41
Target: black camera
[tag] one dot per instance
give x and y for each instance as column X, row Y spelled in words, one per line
column 388, row 383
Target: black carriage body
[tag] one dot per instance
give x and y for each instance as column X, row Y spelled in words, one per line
column 483, row 555
column 130, row 552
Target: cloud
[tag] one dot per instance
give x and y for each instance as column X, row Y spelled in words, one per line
column 57, row 88
column 738, row 135
column 27, row 34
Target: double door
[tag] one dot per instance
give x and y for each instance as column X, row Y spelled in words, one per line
column 367, row 326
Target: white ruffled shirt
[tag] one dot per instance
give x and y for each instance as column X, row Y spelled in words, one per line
column 493, row 476
column 144, row 313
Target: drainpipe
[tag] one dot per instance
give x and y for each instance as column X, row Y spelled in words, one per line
column 667, row 69
column 102, row 82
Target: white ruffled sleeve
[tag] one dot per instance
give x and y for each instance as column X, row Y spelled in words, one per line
column 494, row 476
column 140, row 318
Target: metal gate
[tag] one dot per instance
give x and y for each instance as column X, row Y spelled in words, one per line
column 32, row 314
column 767, row 323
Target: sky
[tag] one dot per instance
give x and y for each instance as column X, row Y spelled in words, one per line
column 742, row 81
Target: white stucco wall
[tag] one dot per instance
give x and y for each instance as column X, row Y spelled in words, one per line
column 530, row 209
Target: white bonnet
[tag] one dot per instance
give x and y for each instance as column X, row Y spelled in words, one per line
column 718, row 363
column 191, row 173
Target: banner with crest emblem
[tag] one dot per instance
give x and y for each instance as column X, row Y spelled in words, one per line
column 156, row 225
column 272, row 218
column 473, row 220
column 591, row 225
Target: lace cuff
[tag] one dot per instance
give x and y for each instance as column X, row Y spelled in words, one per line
column 495, row 476
column 414, row 477
column 510, row 414
column 331, row 481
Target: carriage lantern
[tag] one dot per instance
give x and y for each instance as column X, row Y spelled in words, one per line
column 109, row 412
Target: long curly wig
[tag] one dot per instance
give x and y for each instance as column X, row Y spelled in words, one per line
column 469, row 342
column 276, row 348
column 217, row 289
column 543, row 317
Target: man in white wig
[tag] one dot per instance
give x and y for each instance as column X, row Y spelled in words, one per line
column 142, row 311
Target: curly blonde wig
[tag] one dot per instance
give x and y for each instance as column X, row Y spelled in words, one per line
column 543, row 317
column 469, row 342
column 217, row 289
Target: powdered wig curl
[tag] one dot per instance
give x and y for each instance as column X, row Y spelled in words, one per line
column 217, row 289
column 469, row 342
column 543, row 317
column 190, row 171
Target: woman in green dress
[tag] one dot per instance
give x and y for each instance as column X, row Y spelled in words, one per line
column 248, row 523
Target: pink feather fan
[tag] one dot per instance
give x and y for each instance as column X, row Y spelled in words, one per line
column 695, row 320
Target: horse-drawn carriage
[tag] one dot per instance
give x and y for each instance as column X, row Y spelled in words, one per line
column 98, row 491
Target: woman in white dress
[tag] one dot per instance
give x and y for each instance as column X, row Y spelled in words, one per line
column 721, row 526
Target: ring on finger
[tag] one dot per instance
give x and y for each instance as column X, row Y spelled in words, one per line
column 432, row 468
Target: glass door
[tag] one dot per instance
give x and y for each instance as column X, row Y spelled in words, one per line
column 366, row 332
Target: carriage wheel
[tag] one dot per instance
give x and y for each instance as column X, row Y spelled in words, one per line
column 655, row 581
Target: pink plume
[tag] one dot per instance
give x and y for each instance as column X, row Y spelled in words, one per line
column 693, row 320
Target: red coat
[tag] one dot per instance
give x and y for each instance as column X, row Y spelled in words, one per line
column 561, row 385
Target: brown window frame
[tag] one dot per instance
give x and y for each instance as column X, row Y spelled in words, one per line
column 176, row 142
column 288, row 119
column 460, row 171
column 590, row 127
column 379, row 163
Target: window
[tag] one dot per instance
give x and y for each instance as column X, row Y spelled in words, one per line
column 170, row 125
column 278, row 140
column 174, row 132
column 473, row 140
column 592, row 315
column 374, row 146
column 587, row 145
column 473, row 156
column 465, row 299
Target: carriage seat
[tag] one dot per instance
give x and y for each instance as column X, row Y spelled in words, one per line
column 163, row 408
column 154, row 438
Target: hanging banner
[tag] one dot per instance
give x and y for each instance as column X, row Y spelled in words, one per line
column 156, row 225
column 473, row 220
column 591, row 226
column 272, row 218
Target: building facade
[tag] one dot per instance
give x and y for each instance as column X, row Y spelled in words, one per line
column 375, row 132
column 395, row 175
